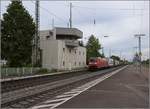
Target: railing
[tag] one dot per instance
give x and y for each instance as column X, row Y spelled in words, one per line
column 18, row 72
column 73, row 43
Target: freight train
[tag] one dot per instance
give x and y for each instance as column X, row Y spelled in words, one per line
column 98, row 63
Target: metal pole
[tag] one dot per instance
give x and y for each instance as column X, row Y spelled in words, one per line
column 135, row 49
column 103, row 51
column 70, row 15
column 109, row 49
column 67, row 25
column 36, row 58
column 110, row 52
column 52, row 23
column 140, row 53
column 140, row 48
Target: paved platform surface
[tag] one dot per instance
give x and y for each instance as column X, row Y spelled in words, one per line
column 128, row 88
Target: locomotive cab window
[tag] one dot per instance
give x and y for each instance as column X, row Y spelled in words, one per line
column 92, row 60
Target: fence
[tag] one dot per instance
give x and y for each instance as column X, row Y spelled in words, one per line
column 18, row 72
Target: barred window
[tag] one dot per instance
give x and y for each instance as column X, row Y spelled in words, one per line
column 63, row 49
column 70, row 50
column 63, row 63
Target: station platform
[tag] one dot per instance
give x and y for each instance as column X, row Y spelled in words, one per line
column 129, row 88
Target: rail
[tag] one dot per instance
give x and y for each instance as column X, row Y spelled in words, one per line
column 30, row 91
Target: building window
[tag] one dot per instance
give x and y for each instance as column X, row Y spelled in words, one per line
column 83, row 63
column 79, row 63
column 75, row 51
column 51, row 33
column 63, row 63
column 70, row 50
column 63, row 49
column 79, row 52
column 75, row 63
column 47, row 37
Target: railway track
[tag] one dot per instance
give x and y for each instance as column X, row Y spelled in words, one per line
column 35, row 93
column 8, row 86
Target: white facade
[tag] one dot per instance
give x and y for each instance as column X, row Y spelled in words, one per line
column 61, row 54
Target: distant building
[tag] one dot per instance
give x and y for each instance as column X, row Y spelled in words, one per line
column 61, row 49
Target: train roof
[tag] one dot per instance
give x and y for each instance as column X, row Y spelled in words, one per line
column 98, row 58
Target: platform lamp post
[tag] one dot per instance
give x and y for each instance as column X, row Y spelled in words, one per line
column 102, row 50
column 103, row 46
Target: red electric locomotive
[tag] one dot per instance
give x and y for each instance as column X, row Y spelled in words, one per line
column 97, row 63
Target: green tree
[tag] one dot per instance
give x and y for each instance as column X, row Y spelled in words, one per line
column 93, row 46
column 146, row 61
column 18, row 31
column 115, row 57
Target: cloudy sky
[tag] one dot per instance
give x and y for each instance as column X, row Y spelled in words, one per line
column 119, row 20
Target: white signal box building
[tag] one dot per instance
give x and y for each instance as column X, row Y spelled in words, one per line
column 61, row 49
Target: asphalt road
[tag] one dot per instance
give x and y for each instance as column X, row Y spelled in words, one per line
column 128, row 88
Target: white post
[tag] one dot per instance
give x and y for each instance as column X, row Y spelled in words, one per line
column 23, row 70
column 6, row 72
column 69, row 66
column 31, row 71
column 18, row 71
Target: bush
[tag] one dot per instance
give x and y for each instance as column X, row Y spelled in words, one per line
column 42, row 70
column 54, row 70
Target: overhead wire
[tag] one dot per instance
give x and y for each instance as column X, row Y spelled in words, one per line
column 93, row 9
column 51, row 13
column 76, row 6
column 93, row 15
column 33, row 12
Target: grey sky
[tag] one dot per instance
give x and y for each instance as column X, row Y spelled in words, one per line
column 118, row 19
